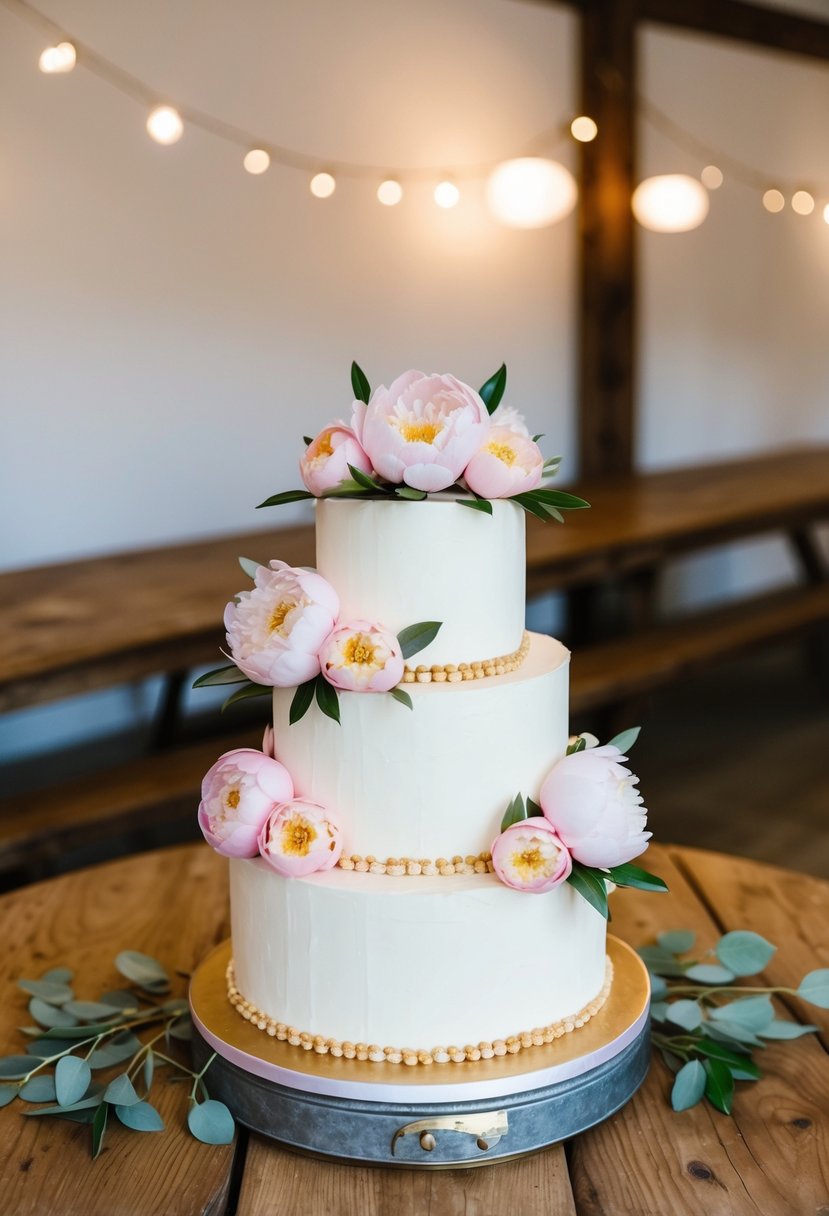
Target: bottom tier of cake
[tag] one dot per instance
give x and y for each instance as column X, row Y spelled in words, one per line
column 413, row 961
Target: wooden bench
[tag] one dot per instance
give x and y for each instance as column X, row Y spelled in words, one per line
column 86, row 625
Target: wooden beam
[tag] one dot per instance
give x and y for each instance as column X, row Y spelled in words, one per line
column 755, row 24
column 607, row 240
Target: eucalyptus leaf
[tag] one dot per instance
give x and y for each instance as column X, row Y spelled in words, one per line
column 278, row 500
column 140, row 1116
column 359, row 384
column 249, row 566
column 744, row 952
column 99, row 1124
column 40, row 1089
column 590, row 886
column 677, row 941
column 409, row 492
column 327, row 698
column 719, row 1085
column 84, row 1104
column 733, row 1032
column 672, row 1062
column 626, row 739
column 786, row 1030
column 402, row 696
column 658, row 987
column 476, row 504
column 47, row 990
column 686, row 1014
column 659, row 960
column 182, row 1030
column 221, row 675
column 415, row 638
column 149, row 1070
column 72, row 1078
column 141, row 969
column 92, row 1011
column 121, row 998
column 59, row 975
column 245, row 693
column 709, row 973
column 814, row 988
column 493, row 390
column 752, row 1012
column 301, row 701
column 50, row 1016
column 659, row 1010
column 211, row 1122
column 8, row 1093
column 115, row 1051
column 689, row 1086
column 45, row 1048
column 78, row 1033
column 121, row 1091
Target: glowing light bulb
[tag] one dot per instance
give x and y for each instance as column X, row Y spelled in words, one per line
column 773, row 201
column 256, row 161
column 446, row 195
column 165, row 125
column 826, row 214
column 672, row 202
column 583, row 129
column 711, row 177
column 389, row 193
column 60, row 58
column 530, row 192
column 802, row 202
column 323, row 185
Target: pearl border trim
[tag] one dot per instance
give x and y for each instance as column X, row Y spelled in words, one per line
column 400, row 866
column 455, row 672
column 407, row 1055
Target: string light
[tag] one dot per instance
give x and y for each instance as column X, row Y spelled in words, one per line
column 446, row 195
column 530, row 192
column 322, row 185
column 256, row 161
column 826, row 214
column 164, row 125
column 670, row 203
column 583, row 129
column 773, row 201
column 711, row 177
column 389, row 192
column 60, row 58
column 802, row 202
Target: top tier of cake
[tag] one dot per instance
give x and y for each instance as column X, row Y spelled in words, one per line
column 398, row 563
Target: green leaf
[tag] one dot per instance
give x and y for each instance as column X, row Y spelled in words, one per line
column 814, row 988
column 140, row 1116
column 56, row 1036
column 709, row 973
column 786, row 1030
column 415, row 638
column 402, row 696
column 629, row 875
column 84, row 1104
column 182, row 1030
column 658, row 987
column 301, row 701
column 91, row 1011
column 493, row 390
column 249, row 566
column 476, row 504
column 677, row 941
column 531, row 505
column 538, row 437
column 40, row 1089
column 551, row 464
column 515, row 812
column 99, row 1124
column 661, row 961
column 121, row 1047
column 249, row 690
column 278, row 500
column 348, row 488
column 409, row 492
column 359, row 384
column 50, row 1015
column 591, row 886
column 367, row 482
column 47, row 990
column 659, row 1010
column 689, row 1086
column 121, row 998
column 744, row 952
column 211, row 1122
column 719, row 1085
column 718, row 1051
column 578, row 745
column 752, row 1012
column 141, row 969
column 59, row 975
column 121, row 1091
column 221, row 675
column 626, row 739
column 686, row 1014
column 44, row 1048
column 328, row 698
column 534, row 811
column 733, row 1032
column 149, row 1069
column 559, row 498
column 72, row 1078
column 8, row 1093
column 307, row 440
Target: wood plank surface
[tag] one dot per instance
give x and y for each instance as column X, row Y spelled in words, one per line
column 83, row 625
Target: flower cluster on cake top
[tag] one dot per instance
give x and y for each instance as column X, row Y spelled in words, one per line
column 430, row 433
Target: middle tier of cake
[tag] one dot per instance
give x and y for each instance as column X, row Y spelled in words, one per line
column 434, row 781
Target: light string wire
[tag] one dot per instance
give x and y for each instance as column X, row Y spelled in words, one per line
column 131, row 86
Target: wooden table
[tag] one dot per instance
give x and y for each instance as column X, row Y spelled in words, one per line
column 770, row 1159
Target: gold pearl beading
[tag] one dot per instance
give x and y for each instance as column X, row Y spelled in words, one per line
column 409, row 1055
column 399, row 867
column 454, row 673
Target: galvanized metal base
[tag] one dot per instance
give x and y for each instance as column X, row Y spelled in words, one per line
column 440, row 1116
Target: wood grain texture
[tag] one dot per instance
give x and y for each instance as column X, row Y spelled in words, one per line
column 277, row 1181
column 173, row 905
column 770, row 1159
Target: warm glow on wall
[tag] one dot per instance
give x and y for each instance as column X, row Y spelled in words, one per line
column 165, row 125
column 530, row 192
column 256, row 161
column 446, row 195
column 389, row 193
column 323, row 185
column 670, row 203
column 60, row 58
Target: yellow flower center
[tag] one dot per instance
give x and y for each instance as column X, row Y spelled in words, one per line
column 297, row 837
column 531, row 863
column 324, row 447
column 359, row 650
column 278, row 615
column 232, row 799
column 420, row 431
column 503, row 451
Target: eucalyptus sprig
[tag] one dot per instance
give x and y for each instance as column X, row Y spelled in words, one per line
column 705, row 1040
column 74, row 1039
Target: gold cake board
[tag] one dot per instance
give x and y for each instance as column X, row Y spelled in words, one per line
column 438, row 1114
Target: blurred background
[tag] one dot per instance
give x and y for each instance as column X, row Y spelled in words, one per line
column 172, row 325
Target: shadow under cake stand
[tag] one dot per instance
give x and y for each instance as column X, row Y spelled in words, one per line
column 441, row 1115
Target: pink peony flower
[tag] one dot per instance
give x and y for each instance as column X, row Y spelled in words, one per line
column 269, row 742
column 299, row 838
column 422, row 430
column 325, row 461
column 237, row 795
column 362, row 657
column 275, row 631
column 529, row 856
column 591, row 800
column 511, row 418
column 507, row 463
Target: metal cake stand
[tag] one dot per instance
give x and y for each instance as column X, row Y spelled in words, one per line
column 441, row 1115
